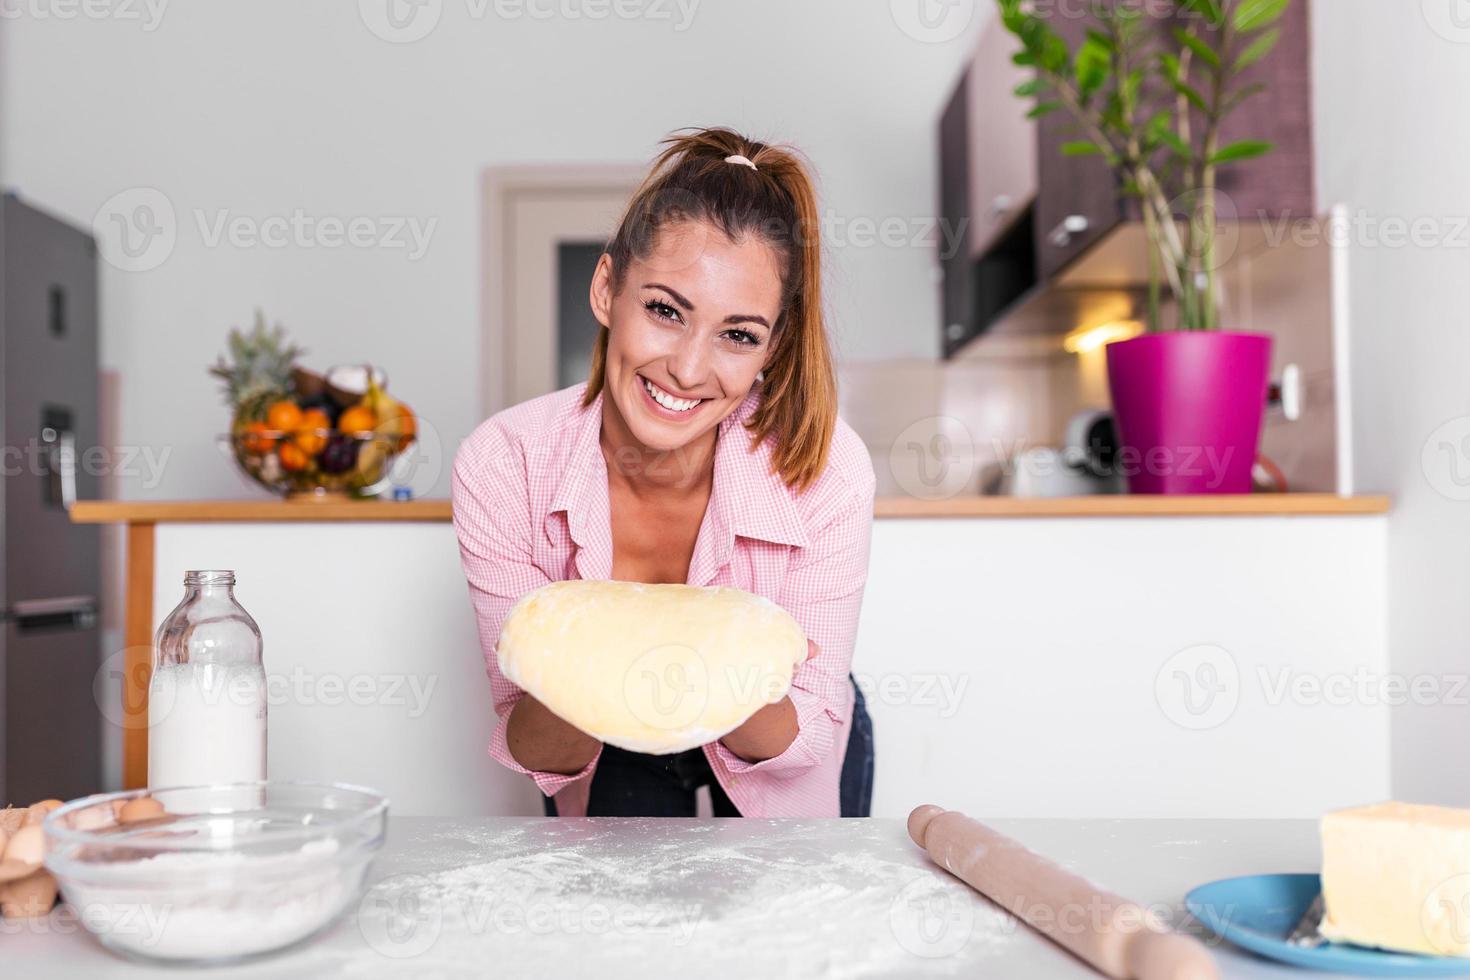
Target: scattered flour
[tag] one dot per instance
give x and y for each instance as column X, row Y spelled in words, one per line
column 765, row 905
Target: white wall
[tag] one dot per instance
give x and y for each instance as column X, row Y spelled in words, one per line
column 1174, row 680
column 264, row 107
column 1392, row 144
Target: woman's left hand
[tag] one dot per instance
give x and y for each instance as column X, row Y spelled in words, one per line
column 771, row 730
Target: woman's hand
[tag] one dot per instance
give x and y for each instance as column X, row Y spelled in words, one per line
column 542, row 742
column 768, row 732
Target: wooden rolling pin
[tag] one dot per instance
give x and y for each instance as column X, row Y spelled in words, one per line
column 1118, row 937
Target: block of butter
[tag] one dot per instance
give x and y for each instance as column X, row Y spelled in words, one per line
column 1397, row 876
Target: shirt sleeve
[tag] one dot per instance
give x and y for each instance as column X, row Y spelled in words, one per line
column 492, row 523
column 823, row 591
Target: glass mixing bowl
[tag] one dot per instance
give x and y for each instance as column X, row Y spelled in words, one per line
column 214, row 874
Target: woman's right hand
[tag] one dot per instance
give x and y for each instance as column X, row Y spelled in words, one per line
column 542, row 742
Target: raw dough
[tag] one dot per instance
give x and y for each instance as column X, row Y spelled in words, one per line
column 650, row 668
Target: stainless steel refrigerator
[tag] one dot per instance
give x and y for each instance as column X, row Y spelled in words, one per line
column 49, row 576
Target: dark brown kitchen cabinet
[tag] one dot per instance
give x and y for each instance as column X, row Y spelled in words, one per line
column 956, row 293
column 1077, row 204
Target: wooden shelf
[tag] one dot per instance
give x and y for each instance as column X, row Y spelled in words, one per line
column 246, row 511
column 238, row 511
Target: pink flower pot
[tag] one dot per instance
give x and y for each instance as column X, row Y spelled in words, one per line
column 1188, row 406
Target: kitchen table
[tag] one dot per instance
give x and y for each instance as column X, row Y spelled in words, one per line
column 609, row 899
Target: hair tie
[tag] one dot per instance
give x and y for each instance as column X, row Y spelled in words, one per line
column 738, row 158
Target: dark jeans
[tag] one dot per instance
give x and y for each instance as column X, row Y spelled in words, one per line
column 633, row 784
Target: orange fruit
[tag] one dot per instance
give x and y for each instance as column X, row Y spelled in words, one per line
column 357, row 420
column 410, row 427
column 283, row 416
column 293, row 457
column 256, row 439
column 311, row 434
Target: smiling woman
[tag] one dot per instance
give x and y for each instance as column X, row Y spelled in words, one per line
column 704, row 449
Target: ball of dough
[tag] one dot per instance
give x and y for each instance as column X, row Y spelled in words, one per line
column 650, row 668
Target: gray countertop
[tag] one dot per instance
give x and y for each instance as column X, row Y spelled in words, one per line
column 714, row 898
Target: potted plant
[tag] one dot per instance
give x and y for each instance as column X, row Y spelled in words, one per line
column 1188, row 401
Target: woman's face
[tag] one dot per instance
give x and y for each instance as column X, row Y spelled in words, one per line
column 689, row 331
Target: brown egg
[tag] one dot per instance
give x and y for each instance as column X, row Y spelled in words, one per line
column 32, row 895
column 12, row 819
column 140, row 808
column 92, row 818
column 37, row 811
column 27, row 845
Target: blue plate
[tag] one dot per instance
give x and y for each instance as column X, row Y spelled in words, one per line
column 1258, row 913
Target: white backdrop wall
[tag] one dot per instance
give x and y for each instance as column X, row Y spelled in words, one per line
column 1392, row 145
column 274, row 109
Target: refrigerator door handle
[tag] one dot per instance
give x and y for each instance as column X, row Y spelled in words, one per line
column 63, row 462
column 78, row 612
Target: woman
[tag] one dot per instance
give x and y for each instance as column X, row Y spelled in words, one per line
column 704, row 449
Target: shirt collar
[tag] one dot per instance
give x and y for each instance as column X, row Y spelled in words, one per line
column 747, row 500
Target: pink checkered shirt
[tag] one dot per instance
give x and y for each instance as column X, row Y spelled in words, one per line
column 531, row 507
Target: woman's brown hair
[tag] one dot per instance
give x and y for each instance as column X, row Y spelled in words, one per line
column 690, row 180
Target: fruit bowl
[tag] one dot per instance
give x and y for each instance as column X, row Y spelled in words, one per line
column 346, row 463
column 306, row 435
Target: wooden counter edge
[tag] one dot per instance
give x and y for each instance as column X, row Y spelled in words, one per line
column 1252, row 505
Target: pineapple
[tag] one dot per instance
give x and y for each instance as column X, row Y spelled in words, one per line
column 256, row 370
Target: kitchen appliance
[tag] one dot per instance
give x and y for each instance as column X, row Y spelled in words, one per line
column 1086, row 464
column 50, row 569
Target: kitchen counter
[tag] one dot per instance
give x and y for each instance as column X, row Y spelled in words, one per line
column 1260, row 505
column 990, row 645
column 718, row 898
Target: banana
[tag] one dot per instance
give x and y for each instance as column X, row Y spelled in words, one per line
column 393, row 433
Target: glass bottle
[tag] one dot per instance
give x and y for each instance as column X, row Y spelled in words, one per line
column 207, row 696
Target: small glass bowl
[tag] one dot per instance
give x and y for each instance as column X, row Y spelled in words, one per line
column 222, row 874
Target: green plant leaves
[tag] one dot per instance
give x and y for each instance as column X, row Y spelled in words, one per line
column 1257, row 49
column 1242, row 150
column 1027, row 89
column 1043, row 109
column 1252, row 15
column 1082, row 148
column 1210, row 10
column 1094, row 64
column 1201, row 50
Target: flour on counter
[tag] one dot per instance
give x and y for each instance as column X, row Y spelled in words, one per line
column 757, row 906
